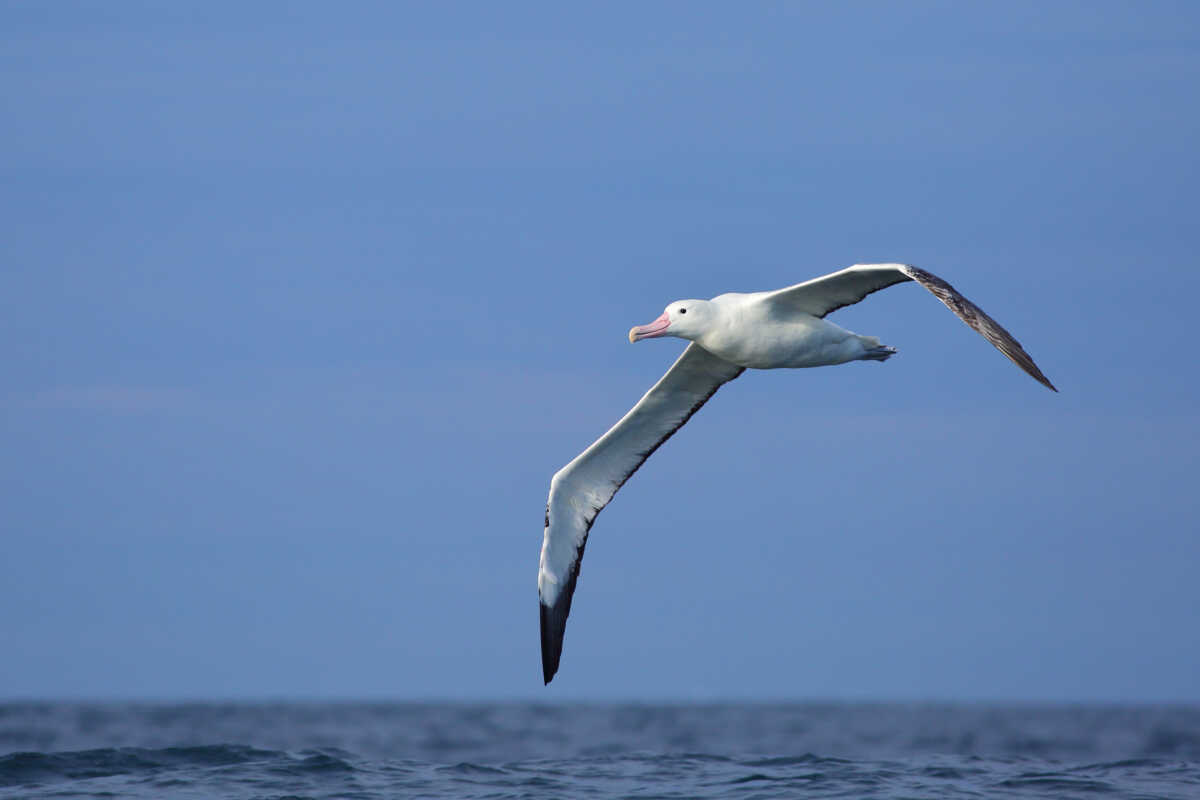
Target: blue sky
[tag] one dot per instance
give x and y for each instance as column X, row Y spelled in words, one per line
column 302, row 306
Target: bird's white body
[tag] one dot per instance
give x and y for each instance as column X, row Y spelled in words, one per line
column 752, row 332
column 785, row 328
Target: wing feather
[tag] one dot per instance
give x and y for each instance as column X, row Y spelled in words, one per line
column 581, row 489
column 821, row 296
column 984, row 325
column 826, row 294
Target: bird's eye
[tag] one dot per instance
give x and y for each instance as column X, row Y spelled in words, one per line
column 683, row 311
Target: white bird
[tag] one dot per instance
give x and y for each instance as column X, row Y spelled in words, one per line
column 728, row 334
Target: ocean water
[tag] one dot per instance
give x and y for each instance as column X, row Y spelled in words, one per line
column 503, row 750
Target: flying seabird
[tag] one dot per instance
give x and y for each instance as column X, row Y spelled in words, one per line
column 729, row 334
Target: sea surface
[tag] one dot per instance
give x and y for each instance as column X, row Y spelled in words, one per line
column 502, row 750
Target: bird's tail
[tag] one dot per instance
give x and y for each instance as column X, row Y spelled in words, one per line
column 874, row 351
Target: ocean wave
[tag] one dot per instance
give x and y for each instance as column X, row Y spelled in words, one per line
column 455, row 751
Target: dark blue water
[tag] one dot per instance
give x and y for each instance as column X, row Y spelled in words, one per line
column 350, row 750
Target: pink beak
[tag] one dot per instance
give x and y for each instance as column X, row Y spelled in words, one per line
column 656, row 328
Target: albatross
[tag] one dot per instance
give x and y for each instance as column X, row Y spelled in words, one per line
column 728, row 334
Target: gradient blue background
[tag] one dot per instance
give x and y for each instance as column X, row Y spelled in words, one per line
column 301, row 307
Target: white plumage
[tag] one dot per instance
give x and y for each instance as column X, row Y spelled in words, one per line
column 785, row 328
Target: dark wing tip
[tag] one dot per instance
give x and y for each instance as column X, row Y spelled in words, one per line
column 975, row 317
column 554, row 625
column 553, row 618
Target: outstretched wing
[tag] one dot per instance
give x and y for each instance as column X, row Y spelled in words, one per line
column 828, row 293
column 820, row 296
column 581, row 489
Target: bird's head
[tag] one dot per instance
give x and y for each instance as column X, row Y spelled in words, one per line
column 687, row 319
